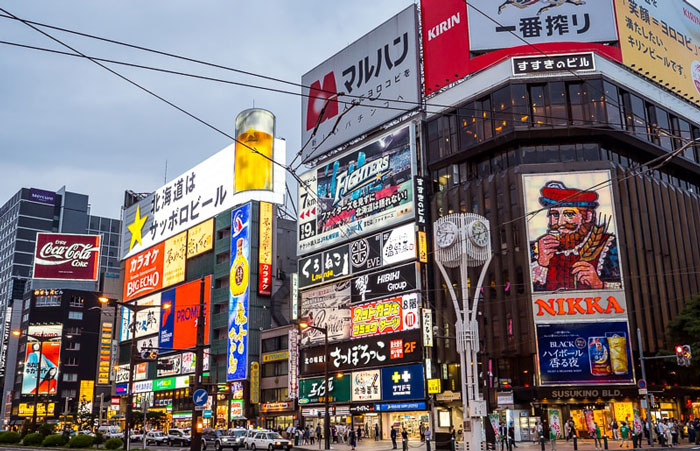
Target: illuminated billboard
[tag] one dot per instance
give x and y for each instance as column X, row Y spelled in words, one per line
column 147, row 320
column 48, row 368
column 364, row 190
column 661, row 40
column 200, row 238
column 178, row 324
column 239, row 292
column 66, row 256
column 265, row 250
column 193, row 197
column 158, row 267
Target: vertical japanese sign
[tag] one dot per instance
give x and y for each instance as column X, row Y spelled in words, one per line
column 48, row 368
column 254, row 383
column 104, row 359
column 427, row 327
column 239, row 290
column 295, row 296
column 5, row 340
column 293, row 364
column 265, row 250
column 86, row 396
column 661, row 40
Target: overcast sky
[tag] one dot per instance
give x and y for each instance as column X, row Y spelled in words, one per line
column 66, row 121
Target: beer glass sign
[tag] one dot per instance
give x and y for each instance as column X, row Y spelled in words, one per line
column 253, row 168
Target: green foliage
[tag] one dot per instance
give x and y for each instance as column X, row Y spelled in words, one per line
column 114, row 443
column 99, row 438
column 685, row 330
column 8, row 437
column 26, row 429
column 46, row 429
column 81, row 441
column 54, row 440
column 33, row 439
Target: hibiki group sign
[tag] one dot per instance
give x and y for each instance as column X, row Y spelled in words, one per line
column 66, row 256
column 378, row 70
column 239, row 291
column 364, row 190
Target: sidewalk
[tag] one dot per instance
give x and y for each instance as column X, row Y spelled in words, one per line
column 415, row 445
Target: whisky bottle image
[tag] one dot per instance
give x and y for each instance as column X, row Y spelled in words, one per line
column 239, row 271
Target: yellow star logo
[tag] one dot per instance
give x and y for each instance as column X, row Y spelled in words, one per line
column 135, row 228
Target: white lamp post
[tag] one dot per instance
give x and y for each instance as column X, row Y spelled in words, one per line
column 464, row 240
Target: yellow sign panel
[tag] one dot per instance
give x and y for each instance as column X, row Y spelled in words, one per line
column 266, row 233
column 27, row 410
column 254, row 383
column 661, row 41
column 422, row 247
column 200, row 238
column 434, row 386
column 274, row 356
column 624, row 411
column 87, row 391
column 174, row 259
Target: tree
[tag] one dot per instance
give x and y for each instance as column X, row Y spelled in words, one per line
column 685, row 330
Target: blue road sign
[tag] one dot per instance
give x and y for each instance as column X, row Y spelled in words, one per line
column 200, row 397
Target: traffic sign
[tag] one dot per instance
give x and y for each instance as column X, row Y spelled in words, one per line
column 199, row 397
column 199, row 408
column 642, row 391
column 642, row 384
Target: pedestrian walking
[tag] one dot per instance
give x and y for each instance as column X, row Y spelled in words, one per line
column 553, row 439
column 502, row 434
column 511, row 436
column 404, row 439
column 376, row 432
column 359, row 434
column 352, row 438
column 624, row 435
column 428, row 435
column 597, row 436
column 421, row 431
column 392, row 434
column 615, row 429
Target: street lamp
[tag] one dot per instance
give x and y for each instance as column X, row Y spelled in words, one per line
column 135, row 308
column 41, row 339
column 304, row 324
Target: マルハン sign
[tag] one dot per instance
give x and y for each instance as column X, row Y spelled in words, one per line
column 380, row 69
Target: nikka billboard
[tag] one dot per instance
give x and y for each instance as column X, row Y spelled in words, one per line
column 368, row 83
column 66, row 256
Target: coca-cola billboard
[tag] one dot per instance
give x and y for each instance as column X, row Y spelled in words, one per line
column 67, row 256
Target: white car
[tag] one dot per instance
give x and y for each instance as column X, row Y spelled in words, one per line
column 250, row 434
column 269, row 441
column 110, row 432
column 155, row 438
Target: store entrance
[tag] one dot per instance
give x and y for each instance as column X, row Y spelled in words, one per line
column 411, row 421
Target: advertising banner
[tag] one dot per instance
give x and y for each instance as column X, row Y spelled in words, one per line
column 573, row 235
column 538, row 22
column 86, row 396
column 169, row 366
column 388, row 282
column 265, row 250
column 583, row 306
column 327, row 307
column 313, row 390
column 5, row 340
column 121, row 375
column 200, row 238
column 66, row 256
column 189, row 362
column 27, row 410
column 239, row 289
column 594, row 353
column 179, row 323
column 48, row 369
column 42, row 196
column 104, row 360
column 369, row 352
column 195, row 196
column 174, row 260
column 401, row 383
column 385, row 316
column 366, row 386
column 365, row 189
column 380, row 68
column 293, row 364
column 147, row 320
column 364, row 254
column 143, row 273
column 254, row 383
column 661, row 40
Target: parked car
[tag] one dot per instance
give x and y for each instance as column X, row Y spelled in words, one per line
column 110, row 432
column 269, row 441
column 179, row 437
column 232, row 439
column 155, row 438
column 250, row 434
column 135, row 436
column 210, row 436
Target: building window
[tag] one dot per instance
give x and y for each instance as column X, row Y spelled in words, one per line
column 25, row 317
column 48, row 301
column 73, row 346
column 71, row 361
column 68, row 393
column 77, row 301
column 70, row 377
column 75, row 315
column 273, row 369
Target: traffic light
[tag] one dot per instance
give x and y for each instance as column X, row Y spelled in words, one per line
column 687, row 356
column 683, row 355
column 679, row 356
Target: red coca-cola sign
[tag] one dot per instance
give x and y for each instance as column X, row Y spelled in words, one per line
column 66, row 256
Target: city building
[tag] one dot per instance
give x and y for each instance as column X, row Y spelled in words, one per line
column 28, row 212
column 202, row 227
column 582, row 154
column 277, row 409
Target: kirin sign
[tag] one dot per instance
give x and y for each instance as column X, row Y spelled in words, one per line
column 67, row 256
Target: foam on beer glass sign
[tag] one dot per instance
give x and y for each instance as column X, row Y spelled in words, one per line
column 255, row 129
